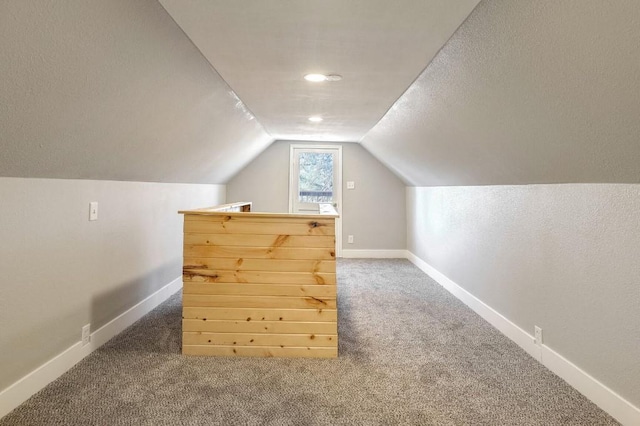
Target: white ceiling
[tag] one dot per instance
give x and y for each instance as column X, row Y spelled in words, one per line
column 523, row 92
column 262, row 49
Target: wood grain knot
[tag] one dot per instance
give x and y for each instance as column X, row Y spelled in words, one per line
column 318, row 300
column 280, row 240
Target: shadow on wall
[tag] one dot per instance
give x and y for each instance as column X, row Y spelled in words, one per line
column 108, row 305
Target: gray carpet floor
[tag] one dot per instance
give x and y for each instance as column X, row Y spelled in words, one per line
column 410, row 353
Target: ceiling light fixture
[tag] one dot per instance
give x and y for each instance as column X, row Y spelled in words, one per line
column 315, row 119
column 316, row 78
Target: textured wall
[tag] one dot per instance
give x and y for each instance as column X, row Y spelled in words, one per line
column 60, row 271
column 540, row 91
column 374, row 213
column 563, row 257
column 114, row 90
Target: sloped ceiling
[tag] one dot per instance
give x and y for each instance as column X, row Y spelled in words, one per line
column 525, row 92
column 114, row 90
column 263, row 48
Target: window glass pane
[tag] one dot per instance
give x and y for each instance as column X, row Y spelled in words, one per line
column 315, row 177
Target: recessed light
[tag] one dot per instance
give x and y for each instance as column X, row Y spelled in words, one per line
column 316, row 78
column 315, row 119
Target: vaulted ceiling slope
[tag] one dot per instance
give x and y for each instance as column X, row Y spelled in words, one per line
column 525, row 92
column 262, row 48
column 114, row 90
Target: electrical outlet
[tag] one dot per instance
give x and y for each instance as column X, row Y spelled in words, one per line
column 86, row 334
column 350, row 239
column 93, row 210
column 538, row 335
column 351, row 185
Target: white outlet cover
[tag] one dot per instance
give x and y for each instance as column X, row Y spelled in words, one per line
column 351, row 185
column 538, row 335
column 86, row 334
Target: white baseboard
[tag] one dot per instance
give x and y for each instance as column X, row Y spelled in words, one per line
column 374, row 254
column 605, row 398
column 23, row 389
column 506, row 327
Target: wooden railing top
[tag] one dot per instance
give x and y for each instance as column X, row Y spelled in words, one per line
column 244, row 209
column 241, row 206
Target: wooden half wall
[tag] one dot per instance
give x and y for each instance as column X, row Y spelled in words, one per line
column 259, row 284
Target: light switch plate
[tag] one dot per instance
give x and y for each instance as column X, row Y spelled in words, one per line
column 93, row 210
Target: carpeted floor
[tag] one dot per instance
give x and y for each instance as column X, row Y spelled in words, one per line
column 410, row 353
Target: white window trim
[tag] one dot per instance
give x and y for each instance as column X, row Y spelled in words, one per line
column 292, row 149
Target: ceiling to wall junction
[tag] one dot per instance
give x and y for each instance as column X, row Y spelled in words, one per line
column 113, row 90
column 264, row 48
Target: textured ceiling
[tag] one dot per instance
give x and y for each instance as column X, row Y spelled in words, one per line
column 525, row 92
column 263, row 48
column 113, row 90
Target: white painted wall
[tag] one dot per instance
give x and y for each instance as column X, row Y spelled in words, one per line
column 114, row 90
column 374, row 212
column 60, row 271
column 540, row 91
column 563, row 257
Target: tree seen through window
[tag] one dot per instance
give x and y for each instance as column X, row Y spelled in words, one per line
column 316, row 177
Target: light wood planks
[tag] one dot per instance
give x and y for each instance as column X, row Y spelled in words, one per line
column 249, row 240
column 259, row 217
column 258, row 228
column 261, row 351
column 222, row 276
column 248, row 339
column 260, row 252
column 276, row 302
column 320, row 291
column 257, row 314
column 259, row 285
column 271, row 327
column 276, row 265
